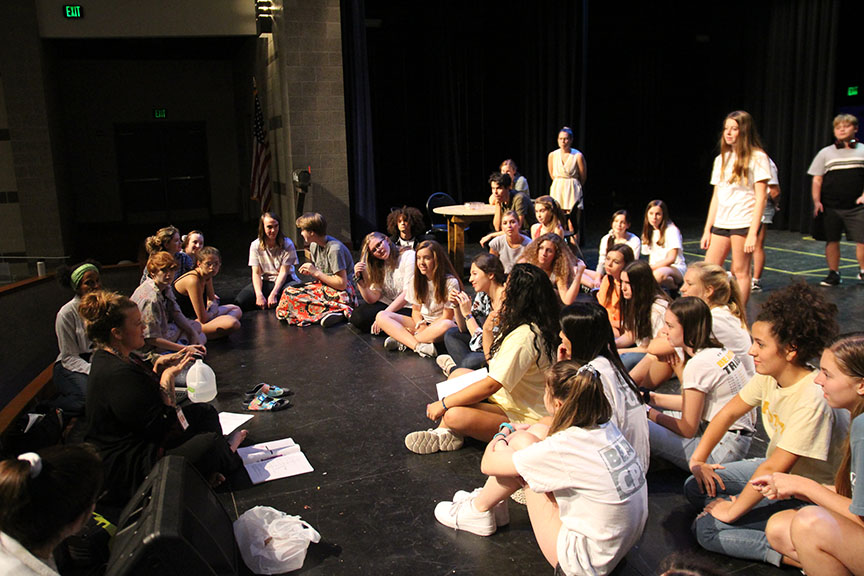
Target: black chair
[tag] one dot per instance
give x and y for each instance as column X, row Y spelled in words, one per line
column 437, row 221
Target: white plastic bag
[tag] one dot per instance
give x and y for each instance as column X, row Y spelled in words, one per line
column 272, row 542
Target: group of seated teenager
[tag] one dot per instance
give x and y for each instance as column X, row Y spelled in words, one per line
column 567, row 406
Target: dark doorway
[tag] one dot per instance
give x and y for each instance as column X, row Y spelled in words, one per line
column 163, row 173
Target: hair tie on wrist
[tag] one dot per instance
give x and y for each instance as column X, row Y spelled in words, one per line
column 35, row 463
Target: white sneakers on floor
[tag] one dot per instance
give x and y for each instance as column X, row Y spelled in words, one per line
column 461, row 514
column 433, row 440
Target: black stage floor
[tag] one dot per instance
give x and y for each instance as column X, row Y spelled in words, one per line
column 370, row 498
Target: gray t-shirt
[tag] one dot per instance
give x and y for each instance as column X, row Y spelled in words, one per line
column 332, row 257
column 508, row 256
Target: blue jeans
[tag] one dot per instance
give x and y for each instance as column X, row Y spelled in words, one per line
column 458, row 348
column 631, row 359
column 676, row 449
column 746, row 537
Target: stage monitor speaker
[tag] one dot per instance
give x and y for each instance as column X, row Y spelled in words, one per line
column 173, row 526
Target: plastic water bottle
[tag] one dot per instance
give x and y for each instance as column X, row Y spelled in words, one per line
column 201, row 382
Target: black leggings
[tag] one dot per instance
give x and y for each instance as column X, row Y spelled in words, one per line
column 202, row 444
column 363, row 315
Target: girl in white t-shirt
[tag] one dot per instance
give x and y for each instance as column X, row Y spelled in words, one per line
column 740, row 174
column 663, row 244
column 272, row 257
column 431, row 311
column 642, row 308
column 382, row 277
column 584, row 485
column 720, row 292
column 710, row 376
column 618, row 234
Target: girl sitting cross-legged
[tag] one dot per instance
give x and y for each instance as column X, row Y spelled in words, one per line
column 197, row 298
column 431, row 310
column 710, row 376
column 806, row 436
column 525, row 337
column 827, row 538
column 584, row 485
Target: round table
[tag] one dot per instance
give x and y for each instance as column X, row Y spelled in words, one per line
column 458, row 217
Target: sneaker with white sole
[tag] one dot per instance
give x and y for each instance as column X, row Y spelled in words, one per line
column 446, row 363
column 502, row 513
column 462, row 515
column 393, row 345
column 833, row 279
column 426, row 350
column 332, row 319
column 756, row 285
column 433, row 440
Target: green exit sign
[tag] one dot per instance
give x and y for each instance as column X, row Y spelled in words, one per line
column 852, row 91
column 73, row 11
column 160, row 113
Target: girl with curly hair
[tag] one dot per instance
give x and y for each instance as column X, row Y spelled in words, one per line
column 740, row 176
column 435, row 280
column 382, row 276
column 821, row 538
column 551, row 254
column 806, row 435
column 406, row 227
column 525, row 339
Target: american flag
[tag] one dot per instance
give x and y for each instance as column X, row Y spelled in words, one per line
column 260, row 186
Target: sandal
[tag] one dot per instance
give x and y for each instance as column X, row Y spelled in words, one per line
column 266, row 390
column 263, row 403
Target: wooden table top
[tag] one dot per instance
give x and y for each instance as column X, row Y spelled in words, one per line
column 469, row 209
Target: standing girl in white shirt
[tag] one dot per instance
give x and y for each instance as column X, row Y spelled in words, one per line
column 710, row 376
column 584, row 486
column 740, row 175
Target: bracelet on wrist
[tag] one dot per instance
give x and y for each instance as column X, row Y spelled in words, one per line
column 469, row 316
column 443, row 404
column 506, row 425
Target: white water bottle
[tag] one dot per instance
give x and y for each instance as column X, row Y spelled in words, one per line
column 201, row 382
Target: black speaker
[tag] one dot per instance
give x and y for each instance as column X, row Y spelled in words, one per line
column 173, row 526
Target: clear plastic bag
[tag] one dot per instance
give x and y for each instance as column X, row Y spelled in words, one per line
column 272, row 542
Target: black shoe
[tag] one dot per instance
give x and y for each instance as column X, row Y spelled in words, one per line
column 833, row 279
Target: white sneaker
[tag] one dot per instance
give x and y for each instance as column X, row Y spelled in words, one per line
column 502, row 512
column 393, row 345
column 433, row 440
column 461, row 515
column 426, row 350
column 446, row 363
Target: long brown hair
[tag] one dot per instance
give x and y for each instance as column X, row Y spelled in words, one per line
column 849, row 353
column 648, row 230
column 747, row 143
column 443, row 270
column 262, row 234
column 644, row 291
column 580, row 390
column 376, row 267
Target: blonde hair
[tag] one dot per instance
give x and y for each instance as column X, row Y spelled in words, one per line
column 724, row 289
column 845, row 119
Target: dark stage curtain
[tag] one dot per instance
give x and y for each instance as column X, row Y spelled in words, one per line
column 358, row 118
column 798, row 102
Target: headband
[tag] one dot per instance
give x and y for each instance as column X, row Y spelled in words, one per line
column 79, row 272
column 35, row 463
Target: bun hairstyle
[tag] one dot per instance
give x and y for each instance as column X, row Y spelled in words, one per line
column 64, row 273
column 42, row 494
column 103, row 311
column 159, row 241
column 580, row 389
column 491, row 264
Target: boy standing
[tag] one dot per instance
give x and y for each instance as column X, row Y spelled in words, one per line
column 838, row 196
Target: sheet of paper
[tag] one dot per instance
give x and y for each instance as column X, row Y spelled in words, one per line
column 250, row 454
column 230, row 421
column 455, row 384
column 269, row 446
column 279, row 467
